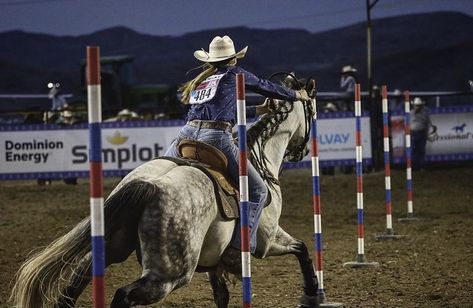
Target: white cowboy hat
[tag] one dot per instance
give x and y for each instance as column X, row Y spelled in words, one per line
column 125, row 112
column 348, row 69
column 221, row 48
column 418, row 102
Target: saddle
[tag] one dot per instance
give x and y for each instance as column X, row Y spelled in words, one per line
column 213, row 163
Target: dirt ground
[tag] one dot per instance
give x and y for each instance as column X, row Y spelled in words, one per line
column 431, row 267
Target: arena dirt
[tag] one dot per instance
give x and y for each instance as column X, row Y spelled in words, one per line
column 431, row 267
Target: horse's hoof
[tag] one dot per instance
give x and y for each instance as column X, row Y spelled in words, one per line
column 307, row 301
column 120, row 300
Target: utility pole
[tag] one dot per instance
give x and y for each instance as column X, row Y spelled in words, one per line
column 369, row 6
column 371, row 103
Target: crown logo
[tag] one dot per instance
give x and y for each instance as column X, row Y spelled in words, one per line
column 117, row 138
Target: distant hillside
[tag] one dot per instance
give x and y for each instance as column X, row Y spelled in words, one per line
column 420, row 52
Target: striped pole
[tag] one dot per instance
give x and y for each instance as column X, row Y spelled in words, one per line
column 96, row 176
column 387, row 171
column 243, row 171
column 407, row 136
column 361, row 258
column 318, row 210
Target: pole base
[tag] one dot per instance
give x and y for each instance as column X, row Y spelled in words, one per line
column 360, row 262
column 409, row 218
column 323, row 300
column 307, row 301
column 389, row 235
column 331, row 305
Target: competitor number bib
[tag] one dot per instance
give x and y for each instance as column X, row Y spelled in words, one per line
column 206, row 90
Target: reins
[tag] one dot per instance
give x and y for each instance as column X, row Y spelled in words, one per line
column 267, row 126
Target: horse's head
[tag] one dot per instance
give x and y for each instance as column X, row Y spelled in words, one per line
column 298, row 146
column 287, row 126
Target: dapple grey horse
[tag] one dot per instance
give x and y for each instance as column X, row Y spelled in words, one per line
column 168, row 215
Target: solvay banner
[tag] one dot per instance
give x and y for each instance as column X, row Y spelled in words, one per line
column 53, row 151
column 336, row 140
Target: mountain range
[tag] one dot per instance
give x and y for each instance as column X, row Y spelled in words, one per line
column 420, row 52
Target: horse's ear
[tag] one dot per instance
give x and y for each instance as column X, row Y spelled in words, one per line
column 311, row 88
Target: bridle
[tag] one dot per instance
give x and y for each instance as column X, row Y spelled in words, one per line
column 298, row 153
column 268, row 126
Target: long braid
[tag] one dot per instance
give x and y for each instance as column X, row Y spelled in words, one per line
column 209, row 70
column 265, row 128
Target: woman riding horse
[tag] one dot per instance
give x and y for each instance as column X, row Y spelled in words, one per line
column 167, row 213
column 212, row 115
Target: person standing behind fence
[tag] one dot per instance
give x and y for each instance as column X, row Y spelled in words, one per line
column 348, row 80
column 420, row 125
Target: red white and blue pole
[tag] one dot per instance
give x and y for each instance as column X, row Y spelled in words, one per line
column 316, row 202
column 408, row 151
column 318, row 240
column 387, row 170
column 244, row 196
column 361, row 258
column 96, row 177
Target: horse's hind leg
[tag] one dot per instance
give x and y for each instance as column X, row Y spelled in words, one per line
column 286, row 244
column 118, row 248
column 219, row 288
column 79, row 281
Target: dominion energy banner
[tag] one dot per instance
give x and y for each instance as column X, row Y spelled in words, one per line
column 52, row 151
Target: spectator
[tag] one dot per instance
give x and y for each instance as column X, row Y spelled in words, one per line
column 127, row 115
column 420, row 125
column 58, row 100
column 348, row 80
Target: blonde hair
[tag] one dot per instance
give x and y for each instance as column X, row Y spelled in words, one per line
column 208, row 70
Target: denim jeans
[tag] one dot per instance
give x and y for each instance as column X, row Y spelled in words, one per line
column 258, row 191
column 419, row 141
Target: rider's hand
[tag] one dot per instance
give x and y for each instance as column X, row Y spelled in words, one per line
column 263, row 108
column 302, row 95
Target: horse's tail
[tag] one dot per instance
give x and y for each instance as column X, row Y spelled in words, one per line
column 41, row 280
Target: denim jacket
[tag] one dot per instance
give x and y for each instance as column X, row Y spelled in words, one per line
column 222, row 106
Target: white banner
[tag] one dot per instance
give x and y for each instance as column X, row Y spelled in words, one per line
column 450, row 137
column 336, row 138
column 41, row 151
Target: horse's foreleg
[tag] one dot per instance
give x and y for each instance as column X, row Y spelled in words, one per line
column 286, row 244
column 146, row 290
column 219, row 288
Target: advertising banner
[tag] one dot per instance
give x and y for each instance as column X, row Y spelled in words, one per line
column 52, row 151
column 450, row 137
column 336, row 140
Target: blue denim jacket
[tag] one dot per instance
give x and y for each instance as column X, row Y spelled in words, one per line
column 223, row 107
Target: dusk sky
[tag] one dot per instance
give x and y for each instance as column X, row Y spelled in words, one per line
column 176, row 17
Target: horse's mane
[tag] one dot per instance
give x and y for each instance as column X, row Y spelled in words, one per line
column 261, row 132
